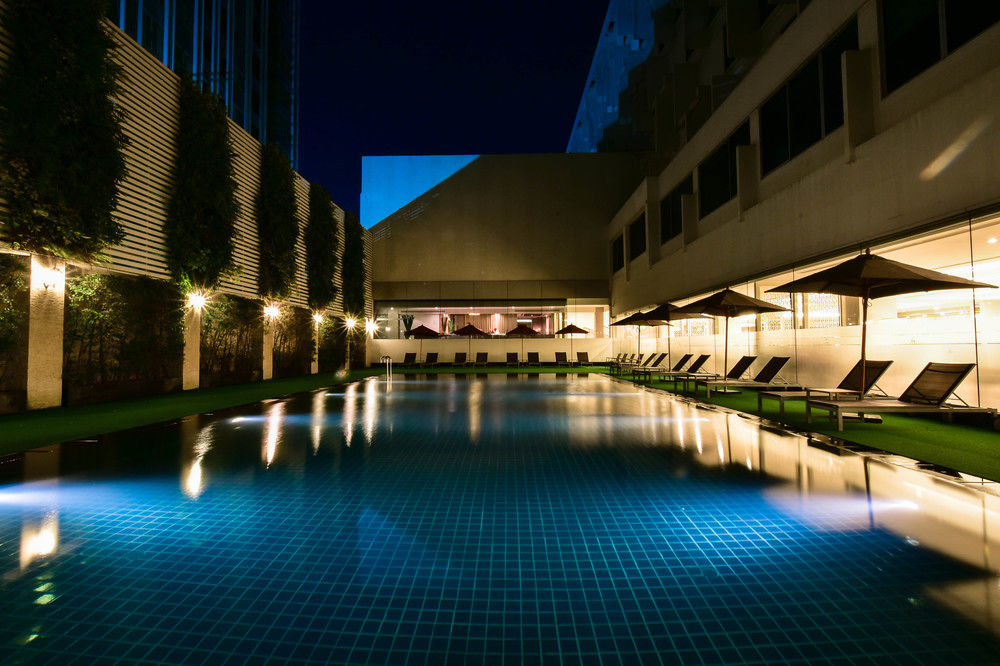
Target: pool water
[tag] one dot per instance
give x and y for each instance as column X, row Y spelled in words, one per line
column 462, row 519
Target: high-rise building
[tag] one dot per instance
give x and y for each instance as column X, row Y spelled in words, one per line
column 246, row 51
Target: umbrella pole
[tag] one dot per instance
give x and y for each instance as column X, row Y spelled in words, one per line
column 670, row 363
column 864, row 338
column 638, row 340
column 725, row 360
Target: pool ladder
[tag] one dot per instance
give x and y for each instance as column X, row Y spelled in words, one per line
column 388, row 366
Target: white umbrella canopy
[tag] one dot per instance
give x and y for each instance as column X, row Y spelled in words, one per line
column 869, row 276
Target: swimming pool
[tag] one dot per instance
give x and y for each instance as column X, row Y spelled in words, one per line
column 487, row 519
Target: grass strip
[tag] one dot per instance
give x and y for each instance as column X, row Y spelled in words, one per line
column 42, row 427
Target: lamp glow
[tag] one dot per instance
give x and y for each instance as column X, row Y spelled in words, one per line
column 318, row 318
column 197, row 300
column 370, row 327
column 350, row 323
column 272, row 312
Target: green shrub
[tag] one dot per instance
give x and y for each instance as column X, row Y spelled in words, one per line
column 232, row 343
column 321, row 248
column 61, row 133
column 202, row 210
column 13, row 331
column 293, row 342
column 123, row 336
column 332, row 344
column 277, row 228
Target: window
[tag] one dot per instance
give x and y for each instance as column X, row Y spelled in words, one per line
column 914, row 37
column 637, row 237
column 717, row 174
column 671, row 220
column 808, row 107
column 618, row 254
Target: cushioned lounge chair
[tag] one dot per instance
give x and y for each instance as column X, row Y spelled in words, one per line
column 430, row 360
column 582, row 358
column 632, row 367
column 459, row 359
column 928, row 394
column 482, row 359
column 512, row 359
column 533, row 359
column 561, row 358
column 848, row 389
column 681, row 362
column 693, row 369
column 409, row 359
column 766, row 378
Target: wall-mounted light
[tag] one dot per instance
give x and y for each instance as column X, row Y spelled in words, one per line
column 350, row 323
column 272, row 311
column 197, row 301
column 318, row 318
column 370, row 327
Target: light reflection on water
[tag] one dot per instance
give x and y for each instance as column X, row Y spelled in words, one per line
column 828, row 489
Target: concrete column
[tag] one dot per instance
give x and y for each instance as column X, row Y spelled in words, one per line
column 653, row 240
column 599, row 322
column 191, row 376
column 267, row 358
column 314, row 366
column 46, row 310
column 747, row 177
column 859, row 99
column 689, row 216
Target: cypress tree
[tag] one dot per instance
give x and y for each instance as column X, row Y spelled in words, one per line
column 353, row 273
column 321, row 248
column 60, row 132
column 202, row 211
column 277, row 228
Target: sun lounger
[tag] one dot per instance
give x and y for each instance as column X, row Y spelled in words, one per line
column 928, row 394
column 430, row 360
column 632, row 367
column 482, row 359
column 409, row 359
column 582, row 358
column 766, row 378
column 693, row 369
column 459, row 359
column 561, row 358
column 648, row 370
column 512, row 359
column 735, row 373
column 533, row 359
column 848, row 389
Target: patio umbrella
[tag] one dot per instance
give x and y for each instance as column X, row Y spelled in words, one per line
column 570, row 330
column 728, row 303
column 639, row 319
column 521, row 331
column 469, row 330
column 870, row 276
column 666, row 313
column 422, row 333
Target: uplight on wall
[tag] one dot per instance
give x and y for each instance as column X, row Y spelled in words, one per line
column 318, row 318
column 45, row 278
column 197, row 301
column 350, row 323
column 370, row 327
column 272, row 311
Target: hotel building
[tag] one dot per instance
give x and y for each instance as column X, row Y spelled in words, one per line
column 769, row 140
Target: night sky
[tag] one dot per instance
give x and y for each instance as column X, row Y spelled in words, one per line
column 438, row 77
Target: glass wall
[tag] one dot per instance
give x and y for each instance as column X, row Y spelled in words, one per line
column 821, row 333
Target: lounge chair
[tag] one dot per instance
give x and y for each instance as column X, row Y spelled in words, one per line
column 681, row 362
column 626, row 359
column 631, row 367
column 582, row 358
column 561, row 359
column 766, row 378
column 928, row 394
column 648, row 370
column 533, row 359
column 735, row 373
column 634, row 360
column 693, row 371
column 512, row 359
column 482, row 359
column 409, row 359
column 848, row 389
column 430, row 360
column 459, row 359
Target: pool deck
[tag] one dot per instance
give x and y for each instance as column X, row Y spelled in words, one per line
column 966, row 448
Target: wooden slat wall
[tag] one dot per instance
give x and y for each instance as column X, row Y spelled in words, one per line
column 149, row 98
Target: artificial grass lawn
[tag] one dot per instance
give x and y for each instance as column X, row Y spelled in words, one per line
column 498, row 369
column 49, row 426
column 966, row 448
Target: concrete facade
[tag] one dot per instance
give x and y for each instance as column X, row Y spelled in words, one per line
column 506, row 227
column 46, row 310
